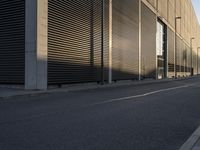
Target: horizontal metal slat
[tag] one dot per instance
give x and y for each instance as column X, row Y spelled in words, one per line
column 74, row 41
column 12, row 41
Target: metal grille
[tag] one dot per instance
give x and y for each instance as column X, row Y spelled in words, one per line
column 194, row 61
column 106, row 39
column 170, row 51
column 12, row 41
column 178, row 57
column 182, row 57
column 125, row 39
column 74, row 41
column 148, row 52
column 188, row 60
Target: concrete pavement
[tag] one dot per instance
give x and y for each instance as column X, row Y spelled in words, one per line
column 158, row 116
column 193, row 143
column 7, row 91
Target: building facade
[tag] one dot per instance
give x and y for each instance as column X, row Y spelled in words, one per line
column 51, row 42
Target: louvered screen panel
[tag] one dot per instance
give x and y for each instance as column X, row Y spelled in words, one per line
column 152, row 3
column 178, row 65
column 182, row 57
column 12, row 41
column 194, row 61
column 106, row 38
column 74, row 41
column 125, row 39
column 170, row 52
column 188, row 60
column 148, row 53
column 186, row 56
column 198, row 61
column 97, row 37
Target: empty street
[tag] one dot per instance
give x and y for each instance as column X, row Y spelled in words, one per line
column 155, row 116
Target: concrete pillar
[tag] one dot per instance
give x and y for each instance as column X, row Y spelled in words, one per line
column 36, row 44
column 42, row 43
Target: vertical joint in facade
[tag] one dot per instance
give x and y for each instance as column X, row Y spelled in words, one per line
column 140, row 38
column 110, row 42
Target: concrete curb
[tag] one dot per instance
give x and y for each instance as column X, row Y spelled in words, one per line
column 82, row 87
column 191, row 143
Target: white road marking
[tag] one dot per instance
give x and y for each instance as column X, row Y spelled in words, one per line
column 190, row 144
column 141, row 95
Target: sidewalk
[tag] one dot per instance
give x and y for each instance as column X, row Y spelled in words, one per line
column 7, row 92
column 193, row 143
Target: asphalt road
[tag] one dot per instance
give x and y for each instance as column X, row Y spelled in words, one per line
column 158, row 116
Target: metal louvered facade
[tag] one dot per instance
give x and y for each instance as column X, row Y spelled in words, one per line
column 178, row 57
column 171, row 53
column 125, row 52
column 148, row 50
column 74, row 41
column 182, row 58
column 12, row 41
column 194, row 61
column 46, row 42
column 188, row 60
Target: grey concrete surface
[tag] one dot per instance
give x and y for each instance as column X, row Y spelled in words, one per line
column 36, row 44
column 159, row 116
column 31, row 44
column 196, row 146
column 193, row 142
column 7, row 91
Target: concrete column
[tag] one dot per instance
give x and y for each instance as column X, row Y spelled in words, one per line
column 36, row 44
column 42, row 46
column 30, row 44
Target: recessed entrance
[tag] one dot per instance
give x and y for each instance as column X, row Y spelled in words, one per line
column 161, row 50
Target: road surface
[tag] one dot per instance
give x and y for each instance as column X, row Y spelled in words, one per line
column 159, row 116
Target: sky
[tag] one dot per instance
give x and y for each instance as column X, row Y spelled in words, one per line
column 196, row 4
